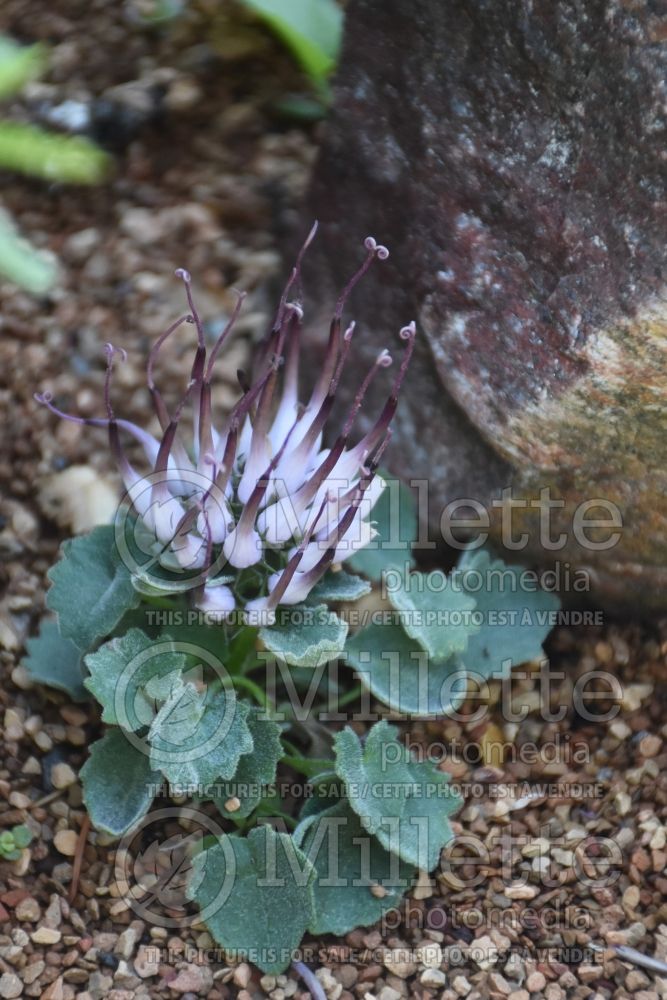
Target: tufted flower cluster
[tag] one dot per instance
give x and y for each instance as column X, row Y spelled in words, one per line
column 257, row 509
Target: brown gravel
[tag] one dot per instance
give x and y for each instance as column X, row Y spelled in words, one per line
column 214, row 185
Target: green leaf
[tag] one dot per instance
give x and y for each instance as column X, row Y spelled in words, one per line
column 256, row 770
column 22, row 836
column 121, row 671
column 349, row 862
column 254, row 894
column 440, row 621
column 18, row 65
column 305, row 636
column 395, row 519
column 8, row 849
column 22, row 263
column 69, row 159
column 56, row 662
column 339, row 586
column 199, row 736
column 91, row 588
column 516, row 620
column 118, row 783
column 311, row 29
column 404, row 803
column 401, row 675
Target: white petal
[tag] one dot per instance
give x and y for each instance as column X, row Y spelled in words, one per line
column 216, row 601
column 257, row 614
column 187, row 552
column 242, row 548
column 297, row 589
column 281, row 521
column 219, row 517
column 165, row 516
column 358, row 535
column 256, row 464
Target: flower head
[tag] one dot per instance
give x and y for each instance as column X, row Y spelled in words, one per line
column 252, row 513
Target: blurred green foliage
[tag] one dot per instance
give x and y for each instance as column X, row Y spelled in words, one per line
column 13, row 841
column 311, row 29
column 49, row 156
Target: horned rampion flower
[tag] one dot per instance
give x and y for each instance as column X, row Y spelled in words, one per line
column 255, row 511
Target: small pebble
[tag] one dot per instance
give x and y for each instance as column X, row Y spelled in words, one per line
column 10, row 985
column 62, row 776
column 521, row 891
column 499, row 984
column 433, row 978
column 424, row 887
column 650, row 746
column 242, row 975
column 19, row 800
column 461, row 986
column 191, row 978
column 29, row 910
column 65, row 842
column 631, row 897
column 46, row 935
column 536, row 982
column 147, row 961
column 400, row 963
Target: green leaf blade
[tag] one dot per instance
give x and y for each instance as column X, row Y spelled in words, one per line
column 349, row 864
column 198, row 737
column 516, row 620
column 311, row 29
column 441, row 622
column 91, row 589
column 404, row 803
column 398, row 672
column 256, row 770
column 305, row 636
column 56, row 662
column 255, row 896
column 52, row 157
column 18, row 65
column 118, row 783
column 27, row 267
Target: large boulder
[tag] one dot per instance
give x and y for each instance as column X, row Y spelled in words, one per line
column 512, row 156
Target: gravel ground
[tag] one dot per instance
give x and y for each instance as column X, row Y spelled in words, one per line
column 211, row 179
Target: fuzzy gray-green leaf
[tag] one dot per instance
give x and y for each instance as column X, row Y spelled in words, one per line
column 198, row 737
column 256, row 770
column 401, row 675
column 349, row 863
column 517, row 620
column 91, row 588
column 440, row 621
column 268, row 905
column 402, row 802
column 122, row 669
column 395, row 519
column 56, row 662
column 339, row 586
column 305, row 636
column 118, row 783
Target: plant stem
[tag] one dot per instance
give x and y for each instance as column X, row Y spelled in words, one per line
column 254, row 689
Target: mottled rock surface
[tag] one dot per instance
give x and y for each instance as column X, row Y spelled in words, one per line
column 512, row 156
